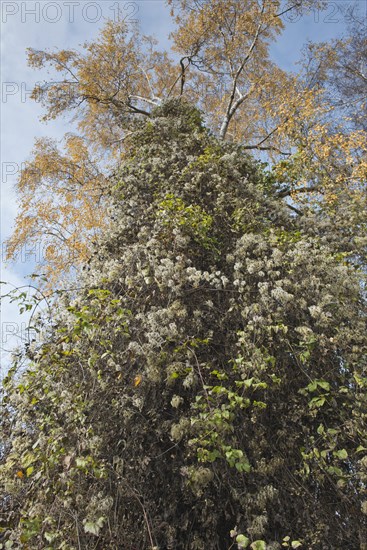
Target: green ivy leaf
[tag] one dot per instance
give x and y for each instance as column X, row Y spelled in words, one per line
column 94, row 527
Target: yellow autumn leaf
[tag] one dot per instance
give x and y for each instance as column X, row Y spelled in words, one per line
column 137, row 380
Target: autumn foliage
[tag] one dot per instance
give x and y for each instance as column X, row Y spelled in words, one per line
column 222, row 65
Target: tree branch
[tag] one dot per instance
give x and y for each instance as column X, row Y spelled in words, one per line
column 145, row 99
column 183, row 75
column 296, row 210
column 288, row 192
column 234, row 105
column 296, row 5
column 269, row 148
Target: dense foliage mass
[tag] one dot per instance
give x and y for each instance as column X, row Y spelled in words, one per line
column 206, row 387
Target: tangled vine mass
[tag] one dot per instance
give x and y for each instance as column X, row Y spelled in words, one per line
column 206, row 386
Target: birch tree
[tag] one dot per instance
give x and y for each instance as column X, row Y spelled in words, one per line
column 220, row 64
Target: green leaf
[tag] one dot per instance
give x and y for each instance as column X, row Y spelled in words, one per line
column 312, row 386
column 90, row 527
column 342, row 454
column 29, row 471
column 296, row 544
column 243, row 467
column 324, row 385
column 242, row 541
column 317, row 402
column 258, row 545
column 28, row 459
column 219, row 375
column 334, row 470
column 94, row 527
column 361, row 382
column 50, row 537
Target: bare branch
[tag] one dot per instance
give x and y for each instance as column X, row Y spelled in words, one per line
column 234, row 105
column 154, row 101
column 290, row 8
column 296, row 210
column 288, row 192
column 121, row 139
column 269, row 148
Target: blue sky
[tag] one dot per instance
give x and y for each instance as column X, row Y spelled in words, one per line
column 66, row 24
